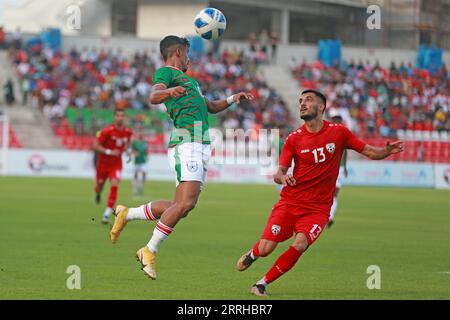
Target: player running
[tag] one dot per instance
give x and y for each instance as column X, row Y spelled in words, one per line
column 189, row 147
column 305, row 202
column 337, row 118
column 111, row 142
column 140, row 150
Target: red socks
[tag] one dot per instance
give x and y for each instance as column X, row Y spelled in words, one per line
column 283, row 264
column 255, row 250
column 112, row 197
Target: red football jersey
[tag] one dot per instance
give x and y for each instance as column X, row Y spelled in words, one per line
column 113, row 138
column 316, row 164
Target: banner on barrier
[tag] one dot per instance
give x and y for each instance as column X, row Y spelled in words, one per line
column 442, row 176
column 80, row 164
column 387, row 173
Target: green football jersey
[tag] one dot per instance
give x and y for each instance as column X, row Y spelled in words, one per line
column 189, row 113
column 141, row 147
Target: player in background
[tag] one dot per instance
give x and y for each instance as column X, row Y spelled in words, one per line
column 188, row 152
column 336, row 117
column 140, row 151
column 304, row 206
column 111, row 142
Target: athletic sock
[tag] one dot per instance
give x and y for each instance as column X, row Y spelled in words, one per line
column 283, row 264
column 112, row 197
column 262, row 282
column 333, row 208
column 254, row 254
column 143, row 212
column 107, row 213
column 160, row 233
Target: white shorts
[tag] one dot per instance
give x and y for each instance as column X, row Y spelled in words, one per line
column 340, row 178
column 140, row 168
column 190, row 161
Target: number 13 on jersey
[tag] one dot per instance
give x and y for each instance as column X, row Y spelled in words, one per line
column 319, row 155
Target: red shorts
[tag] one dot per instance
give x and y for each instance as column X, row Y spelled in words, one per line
column 111, row 173
column 287, row 219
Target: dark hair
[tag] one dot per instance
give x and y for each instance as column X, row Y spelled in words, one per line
column 170, row 43
column 318, row 94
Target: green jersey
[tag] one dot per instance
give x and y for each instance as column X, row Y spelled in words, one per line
column 189, row 113
column 280, row 146
column 141, row 147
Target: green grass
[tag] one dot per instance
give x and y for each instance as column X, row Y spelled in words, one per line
column 48, row 224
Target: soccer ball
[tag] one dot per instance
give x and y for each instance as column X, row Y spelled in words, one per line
column 210, row 23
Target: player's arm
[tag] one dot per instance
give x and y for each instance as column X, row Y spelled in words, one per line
column 379, row 153
column 345, row 163
column 285, row 161
column 281, row 177
column 220, row 105
column 160, row 93
column 101, row 149
column 135, row 150
column 129, row 151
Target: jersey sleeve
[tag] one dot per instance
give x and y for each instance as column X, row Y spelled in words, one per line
column 102, row 136
column 164, row 76
column 287, row 153
column 352, row 141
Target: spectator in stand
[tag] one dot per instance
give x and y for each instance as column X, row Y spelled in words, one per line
column 264, row 41
column 8, row 89
column 17, row 39
column 253, row 41
column 274, row 44
column 2, row 38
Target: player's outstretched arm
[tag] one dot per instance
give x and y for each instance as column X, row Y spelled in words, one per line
column 160, row 93
column 379, row 153
column 220, row 105
column 282, row 178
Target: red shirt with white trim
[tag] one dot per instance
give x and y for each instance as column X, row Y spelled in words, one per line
column 113, row 138
column 317, row 157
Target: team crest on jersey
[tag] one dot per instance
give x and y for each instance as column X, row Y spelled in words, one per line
column 192, row 166
column 330, row 147
column 276, row 229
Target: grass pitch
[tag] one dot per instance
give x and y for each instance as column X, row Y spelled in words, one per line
column 49, row 224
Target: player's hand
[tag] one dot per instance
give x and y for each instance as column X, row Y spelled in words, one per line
column 394, row 147
column 178, row 92
column 115, row 153
column 288, row 180
column 238, row 97
column 129, row 156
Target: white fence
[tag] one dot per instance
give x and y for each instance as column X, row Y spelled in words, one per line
column 37, row 163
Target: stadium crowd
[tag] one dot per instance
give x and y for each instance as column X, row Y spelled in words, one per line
column 102, row 79
column 377, row 101
column 374, row 101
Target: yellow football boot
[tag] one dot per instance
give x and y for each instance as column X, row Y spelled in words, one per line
column 147, row 260
column 119, row 223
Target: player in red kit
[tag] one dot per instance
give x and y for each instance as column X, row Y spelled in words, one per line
column 111, row 142
column 306, row 198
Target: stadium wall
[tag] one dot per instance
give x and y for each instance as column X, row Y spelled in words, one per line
column 156, row 21
column 79, row 164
